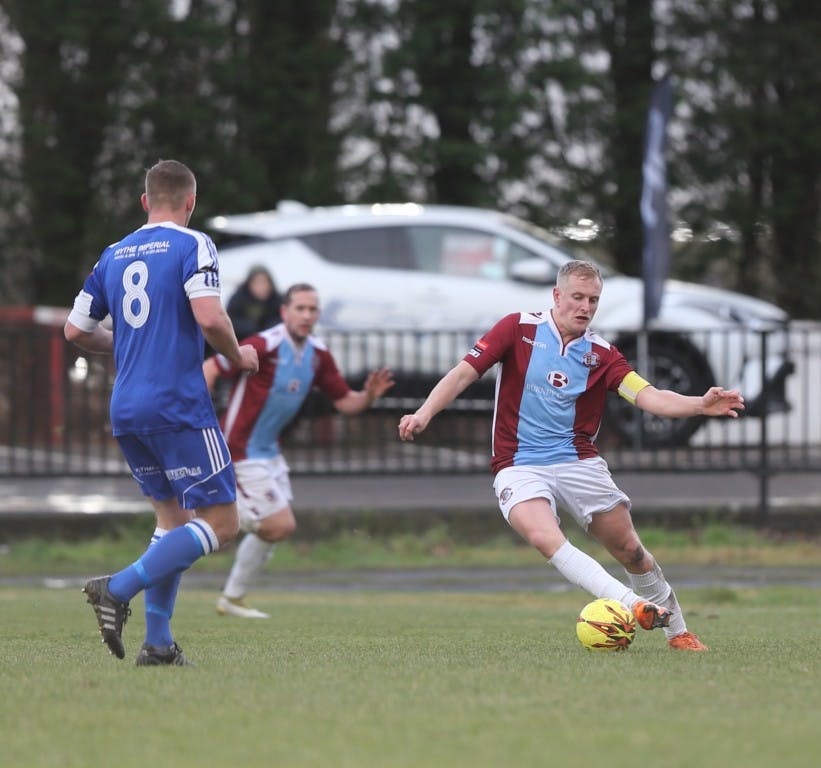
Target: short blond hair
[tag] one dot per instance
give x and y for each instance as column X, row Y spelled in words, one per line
column 577, row 267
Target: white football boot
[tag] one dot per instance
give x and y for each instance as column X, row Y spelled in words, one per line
column 235, row 606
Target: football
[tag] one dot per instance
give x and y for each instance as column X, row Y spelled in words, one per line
column 605, row 625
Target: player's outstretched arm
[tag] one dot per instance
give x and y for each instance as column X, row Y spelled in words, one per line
column 449, row 387
column 716, row 401
column 377, row 383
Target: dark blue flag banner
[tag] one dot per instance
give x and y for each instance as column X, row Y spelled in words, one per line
column 656, row 251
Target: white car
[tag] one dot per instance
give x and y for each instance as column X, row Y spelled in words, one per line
column 409, row 277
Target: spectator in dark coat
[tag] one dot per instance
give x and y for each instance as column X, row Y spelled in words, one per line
column 255, row 304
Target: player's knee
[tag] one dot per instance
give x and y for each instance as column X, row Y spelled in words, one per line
column 634, row 557
column 277, row 527
column 546, row 542
column 635, row 554
column 286, row 526
column 225, row 523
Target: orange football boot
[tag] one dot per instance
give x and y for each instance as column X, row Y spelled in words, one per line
column 649, row 615
column 687, row 641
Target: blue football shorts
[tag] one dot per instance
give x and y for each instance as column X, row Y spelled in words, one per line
column 582, row 488
column 193, row 465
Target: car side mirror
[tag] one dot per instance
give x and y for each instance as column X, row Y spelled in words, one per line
column 533, row 271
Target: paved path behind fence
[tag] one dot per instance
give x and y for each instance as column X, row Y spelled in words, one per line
column 795, row 499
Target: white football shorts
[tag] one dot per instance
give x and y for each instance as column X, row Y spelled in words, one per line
column 582, row 488
column 263, row 489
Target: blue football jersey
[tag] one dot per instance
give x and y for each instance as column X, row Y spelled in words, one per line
column 145, row 282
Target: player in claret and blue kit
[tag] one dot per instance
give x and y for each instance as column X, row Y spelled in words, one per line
column 160, row 286
column 292, row 363
column 554, row 374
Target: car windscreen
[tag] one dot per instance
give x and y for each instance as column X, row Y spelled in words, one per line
column 550, row 241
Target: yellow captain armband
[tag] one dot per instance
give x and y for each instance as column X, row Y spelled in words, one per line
column 631, row 385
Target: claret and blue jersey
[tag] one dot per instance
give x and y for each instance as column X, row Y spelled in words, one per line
column 550, row 397
column 261, row 406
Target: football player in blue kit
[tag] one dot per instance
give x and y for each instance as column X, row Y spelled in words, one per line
column 160, row 286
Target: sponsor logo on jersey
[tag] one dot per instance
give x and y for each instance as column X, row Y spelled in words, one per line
column 551, row 393
column 125, row 252
column 153, row 246
column 294, row 385
column 557, row 379
column 178, row 473
column 591, row 360
column 479, row 347
column 538, row 344
column 151, row 469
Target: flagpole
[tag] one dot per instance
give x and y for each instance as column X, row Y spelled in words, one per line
column 656, row 248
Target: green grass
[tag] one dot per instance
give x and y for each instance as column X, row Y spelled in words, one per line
column 711, row 543
column 420, row 679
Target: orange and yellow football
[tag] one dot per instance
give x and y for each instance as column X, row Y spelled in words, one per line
column 605, row 625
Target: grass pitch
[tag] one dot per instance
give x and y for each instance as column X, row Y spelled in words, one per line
column 412, row 679
column 441, row 545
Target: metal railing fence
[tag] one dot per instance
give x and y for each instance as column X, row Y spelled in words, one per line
column 54, row 413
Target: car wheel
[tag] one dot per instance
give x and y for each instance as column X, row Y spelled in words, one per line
column 674, row 364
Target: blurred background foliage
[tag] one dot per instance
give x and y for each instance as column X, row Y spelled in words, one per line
column 536, row 107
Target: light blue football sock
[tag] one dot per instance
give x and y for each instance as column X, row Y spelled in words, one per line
column 172, row 554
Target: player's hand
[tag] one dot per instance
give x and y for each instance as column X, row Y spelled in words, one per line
column 718, row 401
column 249, row 361
column 378, row 382
column 410, row 425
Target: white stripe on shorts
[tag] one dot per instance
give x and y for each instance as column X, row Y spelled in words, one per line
column 213, row 443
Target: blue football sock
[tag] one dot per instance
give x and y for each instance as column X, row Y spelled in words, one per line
column 159, row 605
column 172, row 554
